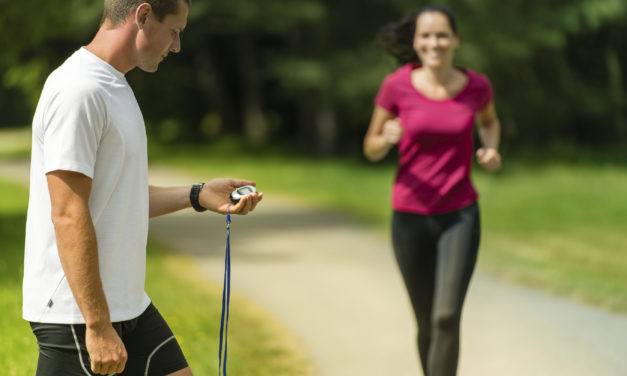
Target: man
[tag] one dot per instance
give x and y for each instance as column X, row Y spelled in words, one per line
column 90, row 202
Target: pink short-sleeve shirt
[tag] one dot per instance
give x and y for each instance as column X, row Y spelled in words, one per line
column 436, row 149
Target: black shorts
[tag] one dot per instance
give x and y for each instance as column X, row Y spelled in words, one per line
column 152, row 348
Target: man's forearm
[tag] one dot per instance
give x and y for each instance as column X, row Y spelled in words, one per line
column 164, row 200
column 76, row 243
column 78, row 251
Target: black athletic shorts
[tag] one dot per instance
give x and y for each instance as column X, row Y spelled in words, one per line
column 150, row 344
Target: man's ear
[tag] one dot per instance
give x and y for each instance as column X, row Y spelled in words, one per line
column 141, row 14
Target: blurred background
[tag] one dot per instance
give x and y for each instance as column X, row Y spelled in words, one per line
column 304, row 72
column 281, row 92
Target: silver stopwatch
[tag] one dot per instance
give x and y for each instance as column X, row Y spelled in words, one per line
column 242, row 192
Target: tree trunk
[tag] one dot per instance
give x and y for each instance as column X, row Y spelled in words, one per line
column 255, row 124
column 326, row 130
column 616, row 92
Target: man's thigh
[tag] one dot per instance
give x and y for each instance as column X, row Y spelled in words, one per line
column 150, row 344
column 184, row 372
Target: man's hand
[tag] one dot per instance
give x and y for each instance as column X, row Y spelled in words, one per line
column 106, row 350
column 215, row 196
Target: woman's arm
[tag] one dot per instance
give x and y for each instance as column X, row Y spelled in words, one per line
column 383, row 133
column 489, row 129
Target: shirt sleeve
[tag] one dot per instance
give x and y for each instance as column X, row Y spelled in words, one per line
column 386, row 97
column 74, row 122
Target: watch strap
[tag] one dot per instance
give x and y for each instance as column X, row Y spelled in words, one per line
column 193, row 197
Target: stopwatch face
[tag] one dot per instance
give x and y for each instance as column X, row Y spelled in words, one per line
column 241, row 192
column 245, row 190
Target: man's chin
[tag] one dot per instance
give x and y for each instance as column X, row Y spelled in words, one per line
column 149, row 68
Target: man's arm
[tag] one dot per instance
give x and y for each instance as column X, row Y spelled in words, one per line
column 78, row 252
column 214, row 196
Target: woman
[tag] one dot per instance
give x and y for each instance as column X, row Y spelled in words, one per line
column 429, row 107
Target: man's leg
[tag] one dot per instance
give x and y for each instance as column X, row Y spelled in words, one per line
column 60, row 351
column 184, row 372
column 152, row 348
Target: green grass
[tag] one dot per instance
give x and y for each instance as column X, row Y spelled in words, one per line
column 347, row 185
column 18, row 347
column 15, row 142
column 559, row 226
column 258, row 346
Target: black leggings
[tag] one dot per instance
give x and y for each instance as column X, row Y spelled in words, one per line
column 436, row 255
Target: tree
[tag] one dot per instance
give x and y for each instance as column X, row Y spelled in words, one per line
column 306, row 71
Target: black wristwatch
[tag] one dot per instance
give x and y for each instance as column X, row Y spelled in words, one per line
column 193, row 197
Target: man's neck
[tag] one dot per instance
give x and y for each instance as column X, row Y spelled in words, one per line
column 115, row 45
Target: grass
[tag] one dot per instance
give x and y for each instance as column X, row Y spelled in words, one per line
column 15, row 142
column 560, row 227
column 18, row 347
column 347, row 185
column 258, row 346
column 557, row 226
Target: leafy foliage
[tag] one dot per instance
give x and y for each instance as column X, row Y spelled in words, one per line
column 306, row 71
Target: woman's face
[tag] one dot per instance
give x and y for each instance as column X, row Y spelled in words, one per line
column 435, row 42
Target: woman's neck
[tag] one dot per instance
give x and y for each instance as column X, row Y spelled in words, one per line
column 438, row 76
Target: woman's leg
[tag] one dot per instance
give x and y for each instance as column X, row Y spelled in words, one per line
column 456, row 258
column 415, row 249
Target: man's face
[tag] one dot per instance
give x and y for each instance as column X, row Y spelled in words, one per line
column 158, row 39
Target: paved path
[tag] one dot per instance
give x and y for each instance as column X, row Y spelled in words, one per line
column 333, row 282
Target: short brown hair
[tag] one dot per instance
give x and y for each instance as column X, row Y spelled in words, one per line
column 117, row 10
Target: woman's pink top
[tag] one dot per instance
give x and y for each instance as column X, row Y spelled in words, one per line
column 436, row 149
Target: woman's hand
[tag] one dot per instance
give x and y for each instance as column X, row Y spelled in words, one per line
column 489, row 159
column 392, row 131
column 383, row 133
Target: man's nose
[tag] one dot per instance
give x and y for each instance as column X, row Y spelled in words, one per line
column 176, row 45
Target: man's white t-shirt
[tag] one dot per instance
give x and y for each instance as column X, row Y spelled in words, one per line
column 88, row 121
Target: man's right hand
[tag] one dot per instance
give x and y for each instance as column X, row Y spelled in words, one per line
column 106, row 350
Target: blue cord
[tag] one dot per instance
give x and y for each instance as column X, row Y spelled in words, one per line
column 226, row 295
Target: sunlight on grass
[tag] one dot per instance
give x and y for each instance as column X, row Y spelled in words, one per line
column 258, row 345
column 17, row 344
column 561, row 228
column 15, row 142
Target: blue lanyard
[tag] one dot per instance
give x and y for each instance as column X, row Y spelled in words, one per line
column 226, row 295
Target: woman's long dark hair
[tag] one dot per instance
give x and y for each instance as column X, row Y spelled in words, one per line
column 397, row 38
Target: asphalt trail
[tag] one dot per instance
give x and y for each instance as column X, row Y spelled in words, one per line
column 333, row 282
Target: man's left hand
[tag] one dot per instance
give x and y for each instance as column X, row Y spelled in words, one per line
column 215, row 196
